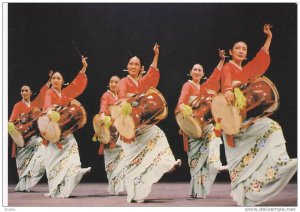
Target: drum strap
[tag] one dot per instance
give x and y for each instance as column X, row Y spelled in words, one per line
column 101, row 149
column 13, row 150
column 59, row 145
column 230, row 140
column 185, row 142
column 45, row 142
column 112, row 145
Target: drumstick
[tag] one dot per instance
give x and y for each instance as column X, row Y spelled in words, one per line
column 77, row 50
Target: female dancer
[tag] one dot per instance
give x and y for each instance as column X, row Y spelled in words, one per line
column 204, row 152
column 258, row 163
column 63, row 164
column 30, row 159
column 149, row 156
column 113, row 154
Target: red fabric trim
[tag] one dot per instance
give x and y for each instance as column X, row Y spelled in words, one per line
column 13, row 150
column 230, row 140
column 59, row 145
column 185, row 142
column 45, row 142
column 112, row 145
column 101, row 149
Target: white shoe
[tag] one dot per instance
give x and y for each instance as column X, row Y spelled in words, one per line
column 140, row 201
column 85, row 171
column 176, row 165
column 223, row 168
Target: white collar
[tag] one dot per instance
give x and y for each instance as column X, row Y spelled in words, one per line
column 239, row 67
column 57, row 92
column 136, row 82
column 113, row 95
column 26, row 103
column 196, row 85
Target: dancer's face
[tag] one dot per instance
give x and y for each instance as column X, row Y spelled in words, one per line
column 239, row 51
column 134, row 67
column 57, row 80
column 114, row 84
column 197, row 72
column 26, row 92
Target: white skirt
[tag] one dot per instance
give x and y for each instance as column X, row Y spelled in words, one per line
column 259, row 165
column 147, row 159
column 30, row 161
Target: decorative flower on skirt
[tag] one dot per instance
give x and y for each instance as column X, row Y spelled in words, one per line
column 247, row 159
column 74, row 149
column 110, row 167
column 26, row 162
column 233, row 176
column 261, row 143
column 202, row 179
column 121, row 154
column 213, row 158
column 271, row 173
column 157, row 159
column 137, row 160
column 150, row 145
column 63, row 162
column 256, row 185
column 30, row 173
column 193, row 163
column 138, row 180
column 202, row 149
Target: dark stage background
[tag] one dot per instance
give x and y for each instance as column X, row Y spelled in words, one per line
column 40, row 35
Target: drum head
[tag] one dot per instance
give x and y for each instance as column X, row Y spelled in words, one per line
column 49, row 130
column 84, row 116
column 115, row 111
column 274, row 106
column 164, row 113
column 103, row 133
column 189, row 125
column 125, row 126
column 231, row 120
column 17, row 138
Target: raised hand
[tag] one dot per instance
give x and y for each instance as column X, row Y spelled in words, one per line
column 156, row 49
column 83, row 60
column 84, row 64
column 267, row 30
column 222, row 54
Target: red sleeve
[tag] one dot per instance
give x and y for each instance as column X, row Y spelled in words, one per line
column 226, row 83
column 213, row 82
column 48, row 99
column 122, row 88
column 14, row 113
column 104, row 103
column 184, row 95
column 77, row 86
column 151, row 79
column 258, row 65
column 39, row 100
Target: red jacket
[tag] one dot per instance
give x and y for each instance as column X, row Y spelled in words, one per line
column 232, row 74
column 107, row 99
column 22, row 107
column 130, row 86
column 70, row 92
column 190, row 91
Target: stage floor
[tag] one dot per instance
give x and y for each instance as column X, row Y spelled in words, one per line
column 162, row 195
